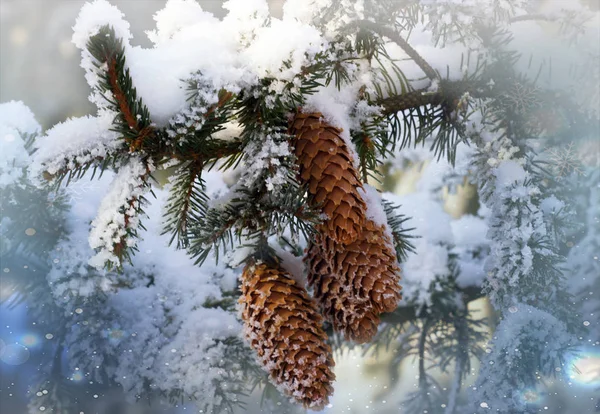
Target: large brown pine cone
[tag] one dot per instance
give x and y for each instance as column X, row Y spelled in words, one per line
column 333, row 182
column 355, row 284
column 283, row 325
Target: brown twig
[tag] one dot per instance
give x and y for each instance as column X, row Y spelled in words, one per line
column 119, row 95
column 400, row 41
column 447, row 93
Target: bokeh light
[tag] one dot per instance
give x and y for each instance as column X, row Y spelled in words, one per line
column 530, row 397
column 115, row 336
column 584, row 369
column 77, row 376
column 30, row 340
column 15, row 354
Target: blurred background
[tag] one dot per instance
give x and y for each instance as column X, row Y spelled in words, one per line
column 40, row 66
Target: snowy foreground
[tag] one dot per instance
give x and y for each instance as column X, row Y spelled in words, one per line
column 161, row 325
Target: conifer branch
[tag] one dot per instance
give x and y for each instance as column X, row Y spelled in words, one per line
column 133, row 117
column 115, row 229
column 400, row 41
column 401, row 236
column 447, row 94
column 186, row 202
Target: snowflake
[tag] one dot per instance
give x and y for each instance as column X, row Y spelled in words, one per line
column 76, row 191
column 522, row 97
column 565, row 160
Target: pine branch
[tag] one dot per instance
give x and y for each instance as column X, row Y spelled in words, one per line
column 115, row 229
column 447, row 94
column 401, row 236
column 400, row 41
column 133, row 120
column 186, row 202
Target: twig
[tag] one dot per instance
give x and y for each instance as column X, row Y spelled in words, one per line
column 447, row 93
column 399, row 40
column 526, row 17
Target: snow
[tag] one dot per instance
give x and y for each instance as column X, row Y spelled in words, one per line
column 17, row 123
column 93, row 16
column 470, row 245
column 430, row 260
column 76, row 141
column 375, row 210
column 469, row 230
column 551, row 204
column 176, row 15
column 509, row 172
column 527, row 343
column 15, row 114
column 117, row 215
column 245, row 18
column 282, row 41
column 265, row 155
column 242, row 47
column 303, row 10
column 168, row 337
column 429, row 218
column 292, row 264
column 140, row 326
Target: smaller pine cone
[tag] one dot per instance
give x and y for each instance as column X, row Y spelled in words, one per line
column 333, row 182
column 355, row 284
column 283, row 325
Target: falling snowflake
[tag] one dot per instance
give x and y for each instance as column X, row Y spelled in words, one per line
column 565, row 160
column 76, row 191
column 522, row 97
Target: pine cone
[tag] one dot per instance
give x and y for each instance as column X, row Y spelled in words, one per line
column 355, row 284
column 333, row 182
column 283, row 325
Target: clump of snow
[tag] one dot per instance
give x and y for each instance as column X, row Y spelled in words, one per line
column 469, row 230
column 430, row 259
column 176, row 15
column 118, row 215
column 164, row 324
column 93, row 16
column 470, row 245
column 245, row 18
column 75, row 142
column 304, row 11
column 282, row 41
column 527, row 343
column 375, row 210
column 292, row 264
column 266, row 155
column 509, row 172
column 15, row 114
column 16, row 124
column 551, row 204
column 429, row 218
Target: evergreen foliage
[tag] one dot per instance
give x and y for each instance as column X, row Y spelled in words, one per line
column 486, row 120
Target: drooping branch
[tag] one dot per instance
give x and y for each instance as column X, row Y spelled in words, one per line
column 400, row 41
column 448, row 93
